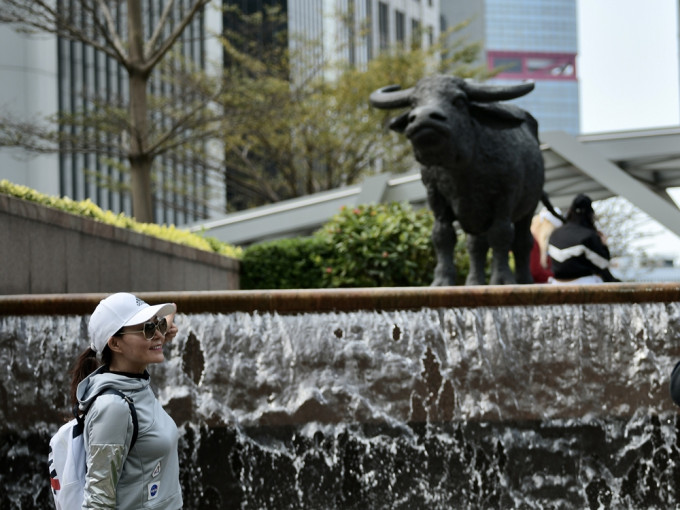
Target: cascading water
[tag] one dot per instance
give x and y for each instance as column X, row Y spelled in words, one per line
column 561, row 406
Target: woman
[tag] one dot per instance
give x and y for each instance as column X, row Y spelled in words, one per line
column 542, row 225
column 127, row 335
column 578, row 252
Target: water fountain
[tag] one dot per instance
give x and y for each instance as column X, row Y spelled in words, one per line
column 493, row 397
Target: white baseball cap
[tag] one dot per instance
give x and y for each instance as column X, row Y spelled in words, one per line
column 118, row 310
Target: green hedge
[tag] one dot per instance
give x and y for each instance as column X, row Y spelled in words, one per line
column 88, row 209
column 382, row 245
column 283, row 264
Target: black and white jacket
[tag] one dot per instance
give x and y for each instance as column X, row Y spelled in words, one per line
column 576, row 251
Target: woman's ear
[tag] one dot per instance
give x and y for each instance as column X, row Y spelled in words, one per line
column 113, row 344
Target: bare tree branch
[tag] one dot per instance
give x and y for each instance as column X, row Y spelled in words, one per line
column 181, row 124
column 102, row 128
column 41, row 16
column 111, row 33
column 151, row 43
column 155, row 57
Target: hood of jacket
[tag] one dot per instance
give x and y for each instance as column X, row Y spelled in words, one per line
column 101, row 379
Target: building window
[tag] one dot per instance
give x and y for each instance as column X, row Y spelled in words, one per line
column 369, row 29
column 416, row 34
column 351, row 32
column 400, row 26
column 383, row 25
column 538, row 66
column 508, row 65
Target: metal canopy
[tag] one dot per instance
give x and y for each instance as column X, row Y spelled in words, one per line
column 638, row 165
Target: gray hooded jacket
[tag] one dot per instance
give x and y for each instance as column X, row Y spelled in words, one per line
column 147, row 476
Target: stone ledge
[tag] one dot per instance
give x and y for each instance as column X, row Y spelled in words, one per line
column 54, row 217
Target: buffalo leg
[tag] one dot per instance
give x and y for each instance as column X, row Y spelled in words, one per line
column 477, row 247
column 443, row 239
column 521, row 248
column 500, row 237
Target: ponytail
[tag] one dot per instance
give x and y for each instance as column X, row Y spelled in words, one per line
column 85, row 364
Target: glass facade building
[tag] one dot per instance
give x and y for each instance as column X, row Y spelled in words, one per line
column 350, row 30
column 84, row 74
column 73, row 78
column 529, row 40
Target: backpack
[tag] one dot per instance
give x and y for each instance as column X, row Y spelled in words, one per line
column 66, row 459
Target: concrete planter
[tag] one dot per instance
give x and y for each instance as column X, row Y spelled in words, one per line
column 47, row 251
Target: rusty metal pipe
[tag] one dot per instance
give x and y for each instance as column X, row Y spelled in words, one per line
column 327, row 300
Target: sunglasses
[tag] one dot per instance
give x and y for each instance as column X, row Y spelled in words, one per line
column 149, row 328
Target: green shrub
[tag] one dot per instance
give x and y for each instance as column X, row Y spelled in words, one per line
column 380, row 245
column 386, row 245
column 88, row 209
column 283, row 264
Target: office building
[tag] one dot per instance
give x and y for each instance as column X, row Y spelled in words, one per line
column 351, row 31
column 528, row 40
column 44, row 74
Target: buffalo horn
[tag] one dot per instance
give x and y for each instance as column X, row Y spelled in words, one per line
column 486, row 92
column 390, row 97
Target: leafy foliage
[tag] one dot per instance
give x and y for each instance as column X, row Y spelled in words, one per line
column 289, row 121
column 383, row 245
column 286, row 137
column 284, row 264
column 88, row 209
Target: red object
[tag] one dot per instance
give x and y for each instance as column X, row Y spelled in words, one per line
column 526, row 65
column 55, row 484
column 538, row 272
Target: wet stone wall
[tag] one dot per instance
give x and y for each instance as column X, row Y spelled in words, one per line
column 560, row 406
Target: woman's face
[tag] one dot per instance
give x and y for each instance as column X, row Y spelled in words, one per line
column 132, row 352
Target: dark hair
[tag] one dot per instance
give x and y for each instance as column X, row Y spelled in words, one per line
column 85, row 364
column 581, row 211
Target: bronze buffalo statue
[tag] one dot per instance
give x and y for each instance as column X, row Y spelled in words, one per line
column 481, row 165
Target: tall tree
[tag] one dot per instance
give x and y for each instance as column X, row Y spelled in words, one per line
column 625, row 227
column 110, row 127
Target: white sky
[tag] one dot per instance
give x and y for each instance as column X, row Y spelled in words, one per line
column 628, row 73
column 628, row 64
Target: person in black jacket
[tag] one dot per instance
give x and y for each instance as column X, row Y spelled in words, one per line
column 578, row 252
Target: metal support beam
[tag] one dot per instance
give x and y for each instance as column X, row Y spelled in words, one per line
column 609, row 175
column 373, row 189
column 288, row 218
column 301, row 216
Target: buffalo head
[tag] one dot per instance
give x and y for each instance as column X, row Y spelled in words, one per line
column 442, row 109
